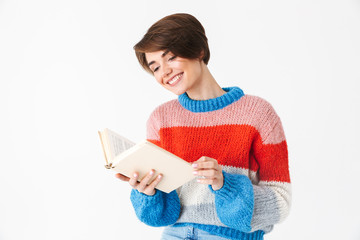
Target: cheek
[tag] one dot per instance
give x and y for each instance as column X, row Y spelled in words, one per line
column 194, row 70
column 177, row 65
column 158, row 79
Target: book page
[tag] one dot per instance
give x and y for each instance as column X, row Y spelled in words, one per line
column 118, row 143
column 126, row 157
column 145, row 156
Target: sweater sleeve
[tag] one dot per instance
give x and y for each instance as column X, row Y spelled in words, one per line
column 161, row 209
column 259, row 203
column 272, row 192
column 234, row 202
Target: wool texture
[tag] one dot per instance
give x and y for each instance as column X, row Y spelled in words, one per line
column 245, row 135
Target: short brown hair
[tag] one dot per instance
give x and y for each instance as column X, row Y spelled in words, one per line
column 181, row 33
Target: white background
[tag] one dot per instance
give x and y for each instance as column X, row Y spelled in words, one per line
column 67, row 69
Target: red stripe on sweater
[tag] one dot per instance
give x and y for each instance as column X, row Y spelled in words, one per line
column 273, row 162
column 232, row 145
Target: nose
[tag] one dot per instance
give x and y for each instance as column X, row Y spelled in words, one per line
column 166, row 71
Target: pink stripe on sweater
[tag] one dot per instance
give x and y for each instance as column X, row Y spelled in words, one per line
column 249, row 110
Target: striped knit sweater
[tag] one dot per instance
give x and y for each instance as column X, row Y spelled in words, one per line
column 245, row 135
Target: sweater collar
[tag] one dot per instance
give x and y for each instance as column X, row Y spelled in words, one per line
column 232, row 95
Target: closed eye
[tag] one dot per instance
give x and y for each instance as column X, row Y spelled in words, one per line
column 172, row 58
column 157, row 68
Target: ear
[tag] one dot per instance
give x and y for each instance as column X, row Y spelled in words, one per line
column 201, row 56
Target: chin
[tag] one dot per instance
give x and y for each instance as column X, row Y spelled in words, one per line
column 177, row 91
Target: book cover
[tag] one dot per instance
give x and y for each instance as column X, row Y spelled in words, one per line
column 126, row 157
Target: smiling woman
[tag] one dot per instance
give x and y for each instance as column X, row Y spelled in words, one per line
column 235, row 142
column 180, row 75
column 181, row 34
column 176, row 52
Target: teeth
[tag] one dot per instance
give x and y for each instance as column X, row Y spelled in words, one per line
column 175, row 79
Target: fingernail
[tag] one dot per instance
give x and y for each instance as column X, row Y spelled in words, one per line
column 160, row 176
column 151, row 172
column 198, row 180
column 135, row 175
column 194, row 165
column 195, row 172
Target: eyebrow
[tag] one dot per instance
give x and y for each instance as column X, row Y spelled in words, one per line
column 162, row 55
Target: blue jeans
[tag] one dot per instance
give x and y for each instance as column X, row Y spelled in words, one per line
column 187, row 233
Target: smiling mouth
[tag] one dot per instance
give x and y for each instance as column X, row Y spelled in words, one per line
column 175, row 79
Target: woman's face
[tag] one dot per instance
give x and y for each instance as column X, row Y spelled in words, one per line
column 174, row 73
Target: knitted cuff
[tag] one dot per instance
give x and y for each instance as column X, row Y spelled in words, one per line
column 232, row 182
column 234, row 202
column 159, row 210
column 146, row 199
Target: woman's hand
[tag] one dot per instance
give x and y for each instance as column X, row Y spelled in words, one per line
column 209, row 171
column 144, row 185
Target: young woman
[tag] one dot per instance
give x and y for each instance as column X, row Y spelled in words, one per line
column 235, row 142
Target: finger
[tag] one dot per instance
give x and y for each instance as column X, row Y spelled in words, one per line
column 209, row 181
column 207, row 164
column 150, row 190
column 207, row 173
column 133, row 181
column 122, row 177
column 145, row 181
column 203, row 158
column 196, row 163
column 156, row 181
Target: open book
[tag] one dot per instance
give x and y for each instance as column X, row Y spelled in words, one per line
column 126, row 157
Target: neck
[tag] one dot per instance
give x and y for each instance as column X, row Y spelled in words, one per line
column 206, row 88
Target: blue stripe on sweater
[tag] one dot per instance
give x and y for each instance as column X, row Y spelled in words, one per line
column 159, row 210
column 234, row 202
column 232, row 95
